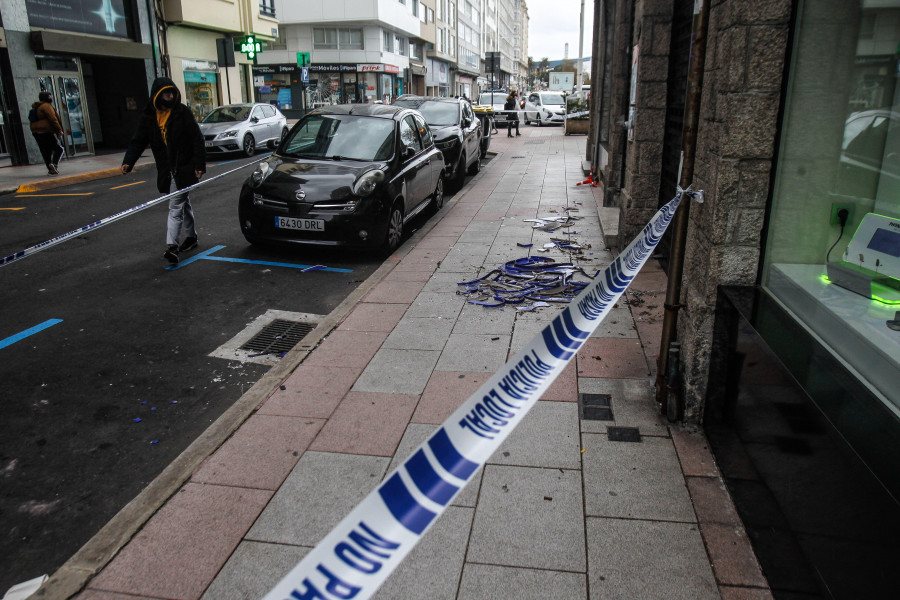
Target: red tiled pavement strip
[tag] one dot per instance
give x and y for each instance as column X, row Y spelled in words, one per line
column 181, row 549
column 367, row 423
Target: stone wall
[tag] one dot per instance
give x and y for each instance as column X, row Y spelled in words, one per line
column 640, row 194
column 745, row 59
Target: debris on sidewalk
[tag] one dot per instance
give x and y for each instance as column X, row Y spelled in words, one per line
column 534, row 278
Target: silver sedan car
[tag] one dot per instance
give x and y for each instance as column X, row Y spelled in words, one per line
column 243, row 128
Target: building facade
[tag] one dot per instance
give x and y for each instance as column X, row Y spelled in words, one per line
column 99, row 64
column 793, row 370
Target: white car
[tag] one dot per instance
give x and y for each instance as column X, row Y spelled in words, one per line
column 496, row 100
column 243, row 128
column 545, row 107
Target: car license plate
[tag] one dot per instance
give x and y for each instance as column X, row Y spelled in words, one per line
column 209, row 144
column 300, row 224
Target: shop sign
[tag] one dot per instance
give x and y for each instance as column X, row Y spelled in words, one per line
column 370, row 68
column 80, row 16
column 316, row 68
column 193, row 64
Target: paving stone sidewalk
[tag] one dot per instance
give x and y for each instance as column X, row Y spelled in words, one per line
column 561, row 511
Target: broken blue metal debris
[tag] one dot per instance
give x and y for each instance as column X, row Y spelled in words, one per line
column 534, row 278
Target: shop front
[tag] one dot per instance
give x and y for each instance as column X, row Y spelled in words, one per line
column 382, row 82
column 803, row 412
column 437, row 79
column 201, row 89
column 283, row 86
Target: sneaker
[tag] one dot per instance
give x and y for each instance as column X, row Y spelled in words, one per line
column 171, row 254
column 188, row 244
column 52, row 170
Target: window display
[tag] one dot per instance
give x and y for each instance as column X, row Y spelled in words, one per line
column 834, row 227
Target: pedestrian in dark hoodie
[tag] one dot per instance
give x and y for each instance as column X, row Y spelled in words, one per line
column 169, row 128
column 46, row 131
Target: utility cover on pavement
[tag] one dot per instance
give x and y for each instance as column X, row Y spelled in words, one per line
column 623, row 434
column 596, row 407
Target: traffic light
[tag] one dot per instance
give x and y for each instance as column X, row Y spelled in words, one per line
column 250, row 47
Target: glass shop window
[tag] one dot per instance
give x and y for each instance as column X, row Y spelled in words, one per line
column 832, row 252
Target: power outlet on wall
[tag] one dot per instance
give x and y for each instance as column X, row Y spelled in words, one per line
column 837, row 207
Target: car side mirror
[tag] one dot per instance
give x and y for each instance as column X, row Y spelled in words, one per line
column 408, row 152
column 466, row 122
column 254, row 120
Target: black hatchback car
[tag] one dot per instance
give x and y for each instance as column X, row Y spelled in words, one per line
column 457, row 132
column 345, row 175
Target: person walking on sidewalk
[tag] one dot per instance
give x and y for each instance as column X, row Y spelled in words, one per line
column 169, row 128
column 512, row 116
column 45, row 127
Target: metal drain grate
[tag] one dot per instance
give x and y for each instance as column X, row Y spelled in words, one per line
column 623, row 434
column 517, row 157
column 535, row 141
column 278, row 336
column 596, row 407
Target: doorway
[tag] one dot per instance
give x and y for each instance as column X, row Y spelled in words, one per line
column 67, row 88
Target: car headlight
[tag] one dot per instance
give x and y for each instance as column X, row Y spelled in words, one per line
column 444, row 143
column 366, row 183
column 259, row 174
column 228, row 134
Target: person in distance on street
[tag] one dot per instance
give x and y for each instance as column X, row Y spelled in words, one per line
column 512, row 116
column 45, row 127
column 169, row 128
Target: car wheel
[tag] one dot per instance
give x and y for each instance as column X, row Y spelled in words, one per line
column 475, row 166
column 249, row 146
column 459, row 175
column 394, row 230
column 437, row 198
column 540, row 121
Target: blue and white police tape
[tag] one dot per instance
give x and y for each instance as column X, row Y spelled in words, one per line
column 5, row 260
column 359, row 554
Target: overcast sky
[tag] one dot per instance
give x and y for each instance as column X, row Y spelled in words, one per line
column 555, row 22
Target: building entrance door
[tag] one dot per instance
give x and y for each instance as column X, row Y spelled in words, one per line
column 67, row 89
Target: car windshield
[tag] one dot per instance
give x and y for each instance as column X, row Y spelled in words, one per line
column 435, row 113
column 341, row 137
column 227, row 114
column 489, row 98
column 552, row 99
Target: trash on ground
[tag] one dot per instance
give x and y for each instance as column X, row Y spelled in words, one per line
column 534, row 278
column 531, row 307
column 521, row 245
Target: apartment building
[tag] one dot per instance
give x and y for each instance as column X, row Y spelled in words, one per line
column 442, row 55
column 190, row 57
column 359, row 52
column 470, row 50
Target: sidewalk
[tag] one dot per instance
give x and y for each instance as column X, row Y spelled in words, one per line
column 561, row 511
column 34, row 178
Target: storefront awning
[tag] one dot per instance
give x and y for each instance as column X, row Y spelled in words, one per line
column 54, row 41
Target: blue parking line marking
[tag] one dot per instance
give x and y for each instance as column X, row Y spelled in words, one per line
column 208, row 255
column 28, row 332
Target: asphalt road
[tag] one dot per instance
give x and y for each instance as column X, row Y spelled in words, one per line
column 95, row 405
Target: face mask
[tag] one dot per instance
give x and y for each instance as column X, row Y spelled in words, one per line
column 163, row 103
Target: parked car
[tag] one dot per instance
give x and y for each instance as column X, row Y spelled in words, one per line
column 457, row 132
column 495, row 100
column 345, row 175
column 545, row 107
column 243, row 128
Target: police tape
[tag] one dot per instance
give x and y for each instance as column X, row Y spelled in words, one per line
column 359, row 554
column 5, row 260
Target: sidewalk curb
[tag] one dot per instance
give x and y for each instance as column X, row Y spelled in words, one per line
column 90, row 559
column 49, row 184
